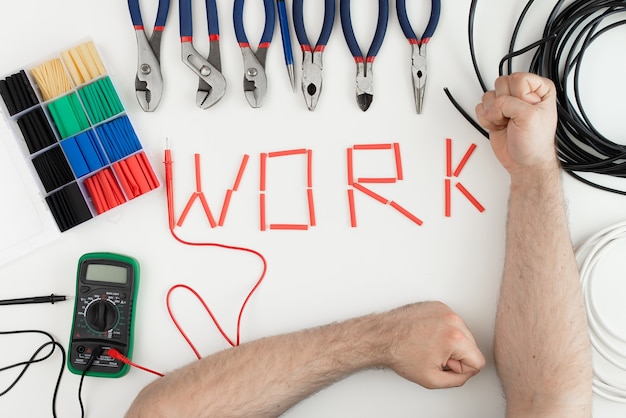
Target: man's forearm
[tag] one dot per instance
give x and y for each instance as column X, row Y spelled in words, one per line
column 541, row 303
column 264, row 378
column 425, row 342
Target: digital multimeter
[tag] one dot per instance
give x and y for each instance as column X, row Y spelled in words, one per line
column 106, row 291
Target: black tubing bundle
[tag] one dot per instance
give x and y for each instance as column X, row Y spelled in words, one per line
column 568, row 33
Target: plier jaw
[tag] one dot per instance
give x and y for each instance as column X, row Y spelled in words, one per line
column 364, row 84
column 212, row 84
column 254, row 77
column 312, row 77
column 149, row 80
column 418, row 74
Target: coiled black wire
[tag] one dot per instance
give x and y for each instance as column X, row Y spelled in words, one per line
column 569, row 31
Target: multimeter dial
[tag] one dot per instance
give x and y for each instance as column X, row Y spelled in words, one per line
column 101, row 315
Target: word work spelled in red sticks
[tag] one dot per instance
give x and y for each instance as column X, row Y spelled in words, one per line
column 356, row 184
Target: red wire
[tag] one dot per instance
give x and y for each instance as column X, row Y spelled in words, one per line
column 113, row 353
column 170, row 213
column 170, row 208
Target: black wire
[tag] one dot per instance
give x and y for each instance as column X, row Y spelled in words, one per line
column 467, row 117
column 53, row 344
column 94, row 355
column 568, row 33
column 470, row 37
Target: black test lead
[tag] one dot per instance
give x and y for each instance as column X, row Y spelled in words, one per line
column 37, row 299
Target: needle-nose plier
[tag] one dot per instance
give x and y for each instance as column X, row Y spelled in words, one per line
column 211, row 84
column 149, row 80
column 254, row 77
column 364, row 75
column 418, row 47
column 312, row 56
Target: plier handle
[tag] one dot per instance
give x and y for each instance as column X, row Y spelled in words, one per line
column 364, row 75
column 312, row 55
column 211, row 84
column 254, row 76
column 149, row 79
column 418, row 47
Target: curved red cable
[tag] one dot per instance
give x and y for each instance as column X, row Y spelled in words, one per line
column 170, row 209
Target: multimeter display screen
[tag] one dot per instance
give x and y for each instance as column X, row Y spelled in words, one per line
column 106, row 273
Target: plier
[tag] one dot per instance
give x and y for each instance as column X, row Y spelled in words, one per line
column 418, row 47
column 312, row 56
column 254, row 77
column 364, row 75
column 149, row 80
column 211, row 84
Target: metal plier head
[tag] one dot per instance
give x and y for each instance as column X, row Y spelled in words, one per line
column 418, row 73
column 312, row 77
column 254, row 76
column 212, row 82
column 149, row 80
column 364, row 84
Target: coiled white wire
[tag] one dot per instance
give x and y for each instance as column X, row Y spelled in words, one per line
column 608, row 344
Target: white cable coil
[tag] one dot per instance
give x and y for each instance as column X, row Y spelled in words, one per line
column 609, row 347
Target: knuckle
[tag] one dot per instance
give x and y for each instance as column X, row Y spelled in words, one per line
column 456, row 335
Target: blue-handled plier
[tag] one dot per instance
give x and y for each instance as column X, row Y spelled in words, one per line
column 418, row 47
column 312, row 56
column 149, row 79
column 364, row 75
column 254, row 77
column 211, row 84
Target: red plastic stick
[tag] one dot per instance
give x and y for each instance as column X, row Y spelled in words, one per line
column 376, row 180
column 352, row 209
column 350, row 167
column 287, row 152
column 225, row 205
column 263, row 169
column 406, row 213
column 448, row 157
column 146, row 167
column 123, row 180
column 118, row 196
column 262, row 211
column 464, row 160
column 138, row 176
column 242, row 168
column 470, row 197
column 132, row 183
column 309, row 169
column 292, row 227
column 370, row 193
column 372, row 146
column 396, row 150
column 198, row 176
column 447, row 198
column 95, row 199
column 309, row 194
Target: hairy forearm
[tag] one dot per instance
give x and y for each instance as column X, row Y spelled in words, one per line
column 541, row 303
column 264, row 378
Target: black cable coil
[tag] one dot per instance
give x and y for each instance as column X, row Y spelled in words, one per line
column 568, row 32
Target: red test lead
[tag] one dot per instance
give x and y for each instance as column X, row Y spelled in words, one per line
column 116, row 355
column 169, row 177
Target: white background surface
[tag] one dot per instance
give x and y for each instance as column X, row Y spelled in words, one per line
column 330, row 272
